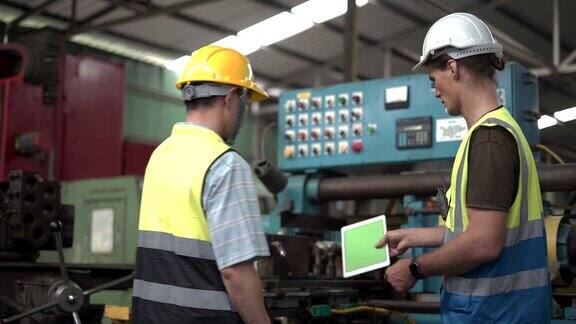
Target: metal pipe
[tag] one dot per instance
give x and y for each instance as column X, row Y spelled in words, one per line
column 556, row 33
column 405, row 305
column 552, row 178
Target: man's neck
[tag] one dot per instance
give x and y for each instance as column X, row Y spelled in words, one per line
column 481, row 101
column 206, row 122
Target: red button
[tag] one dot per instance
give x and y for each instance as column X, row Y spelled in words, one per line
column 357, row 146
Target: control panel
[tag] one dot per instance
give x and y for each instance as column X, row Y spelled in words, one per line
column 413, row 132
column 395, row 120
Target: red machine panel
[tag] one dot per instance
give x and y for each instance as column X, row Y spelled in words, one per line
column 136, row 156
column 93, row 109
column 28, row 130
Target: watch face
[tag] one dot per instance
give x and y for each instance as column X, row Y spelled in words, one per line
column 415, row 270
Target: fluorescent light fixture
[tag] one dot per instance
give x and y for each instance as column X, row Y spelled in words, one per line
column 178, row 64
column 320, row 11
column 276, row 28
column 242, row 45
column 546, row 121
column 566, row 114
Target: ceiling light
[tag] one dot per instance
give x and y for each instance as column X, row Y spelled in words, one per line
column 178, row 64
column 566, row 114
column 320, row 11
column 242, row 45
column 276, row 28
column 546, row 121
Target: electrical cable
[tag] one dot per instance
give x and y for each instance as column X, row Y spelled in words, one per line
column 550, row 152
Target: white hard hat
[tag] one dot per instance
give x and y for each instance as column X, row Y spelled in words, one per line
column 458, row 35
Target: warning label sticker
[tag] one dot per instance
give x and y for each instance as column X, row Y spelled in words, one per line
column 450, row 129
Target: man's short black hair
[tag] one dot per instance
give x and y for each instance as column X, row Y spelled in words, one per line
column 201, row 103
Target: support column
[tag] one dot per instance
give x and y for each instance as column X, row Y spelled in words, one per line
column 350, row 42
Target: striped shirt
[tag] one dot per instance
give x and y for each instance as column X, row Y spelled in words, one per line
column 232, row 212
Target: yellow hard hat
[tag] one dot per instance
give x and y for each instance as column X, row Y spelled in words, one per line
column 223, row 66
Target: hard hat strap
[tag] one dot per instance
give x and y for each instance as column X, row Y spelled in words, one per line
column 204, row 90
column 457, row 53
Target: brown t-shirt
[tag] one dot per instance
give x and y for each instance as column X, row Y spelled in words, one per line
column 493, row 167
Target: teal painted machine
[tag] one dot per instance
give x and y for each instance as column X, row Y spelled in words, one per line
column 376, row 127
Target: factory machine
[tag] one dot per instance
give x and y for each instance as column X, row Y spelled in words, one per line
column 344, row 147
column 68, row 226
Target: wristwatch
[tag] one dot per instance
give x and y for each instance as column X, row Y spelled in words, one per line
column 415, row 269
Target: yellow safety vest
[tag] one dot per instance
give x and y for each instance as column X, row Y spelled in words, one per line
column 515, row 288
column 176, row 278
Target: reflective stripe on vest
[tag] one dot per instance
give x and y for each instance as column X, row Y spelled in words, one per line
column 185, row 297
column 523, row 228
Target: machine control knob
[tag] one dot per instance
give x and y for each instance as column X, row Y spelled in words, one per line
column 289, row 152
column 343, row 101
column 343, row 148
column 316, row 119
column 303, row 121
column 315, row 134
column 328, row 133
column 357, row 131
column 289, row 122
column 343, row 116
column 301, row 105
column 289, row 137
column 356, row 114
column 302, row 151
column 315, row 151
column 302, row 135
column 357, row 99
column 329, row 150
column 357, row 146
column 330, row 103
column 372, row 129
column 342, row 133
column 316, row 103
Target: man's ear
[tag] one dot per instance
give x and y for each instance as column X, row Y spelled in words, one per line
column 454, row 69
column 228, row 99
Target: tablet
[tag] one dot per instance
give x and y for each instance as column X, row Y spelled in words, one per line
column 358, row 252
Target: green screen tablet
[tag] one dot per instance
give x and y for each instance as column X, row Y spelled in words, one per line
column 358, row 252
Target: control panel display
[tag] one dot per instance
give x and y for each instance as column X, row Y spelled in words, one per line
column 414, row 132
